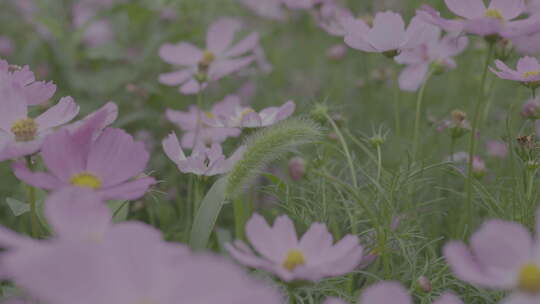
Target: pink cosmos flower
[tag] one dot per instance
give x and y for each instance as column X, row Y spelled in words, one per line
column 388, row 34
column 196, row 131
column 462, row 160
column 21, row 135
column 332, row 18
column 502, row 255
column 94, row 261
column 435, row 51
column 498, row 19
column 108, row 112
column 312, row 258
column 229, row 113
column 497, row 148
column 527, row 71
column 270, row 9
column 220, row 58
column 388, row 292
column 108, row 164
column 34, row 92
column 203, row 160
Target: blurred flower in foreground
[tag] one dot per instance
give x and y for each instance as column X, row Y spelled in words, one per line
column 311, row 258
column 297, row 168
column 95, row 261
column 196, row 131
column 502, row 255
column 527, row 71
column 21, row 135
column 203, row 160
column 220, row 58
column 388, row 34
column 389, row 292
column 109, row 164
column 436, row 54
column 229, row 113
column 497, row 148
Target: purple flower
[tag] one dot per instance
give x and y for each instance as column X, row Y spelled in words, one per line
column 34, row 92
column 388, row 292
column 388, row 34
column 462, row 160
column 109, row 164
column 229, row 113
column 21, row 135
column 96, row 32
column 220, row 58
column 332, row 18
column 311, row 258
column 270, row 9
column 527, row 71
column 498, row 19
column 435, row 51
column 91, row 260
column 502, row 255
column 196, row 131
column 109, row 113
column 203, row 160
column 497, row 148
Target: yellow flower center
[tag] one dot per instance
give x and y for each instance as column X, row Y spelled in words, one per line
column 494, row 13
column 86, row 180
column 24, row 129
column 294, row 259
column 531, row 74
column 210, row 115
column 246, row 112
column 207, row 58
column 529, row 278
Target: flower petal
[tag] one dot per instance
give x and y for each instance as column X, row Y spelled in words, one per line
column 63, row 112
column 221, row 34
column 182, row 53
column 468, row 9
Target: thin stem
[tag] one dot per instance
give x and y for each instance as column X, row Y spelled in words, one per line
column 345, row 149
column 472, row 141
column 379, row 163
column 397, row 108
column 530, row 184
column 34, row 222
column 419, row 100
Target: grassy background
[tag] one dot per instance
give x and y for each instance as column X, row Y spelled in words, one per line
column 427, row 196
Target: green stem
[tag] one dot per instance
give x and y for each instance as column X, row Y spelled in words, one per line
column 397, row 108
column 379, row 163
column 419, row 99
column 530, row 185
column 34, row 223
column 472, row 141
column 345, row 149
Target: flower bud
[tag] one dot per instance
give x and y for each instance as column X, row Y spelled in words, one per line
column 297, row 168
column 531, row 110
column 424, row 283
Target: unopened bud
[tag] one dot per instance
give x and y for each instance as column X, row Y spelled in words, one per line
column 424, row 283
column 297, row 168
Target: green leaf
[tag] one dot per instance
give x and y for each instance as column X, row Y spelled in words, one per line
column 17, row 207
column 119, row 209
column 207, row 215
